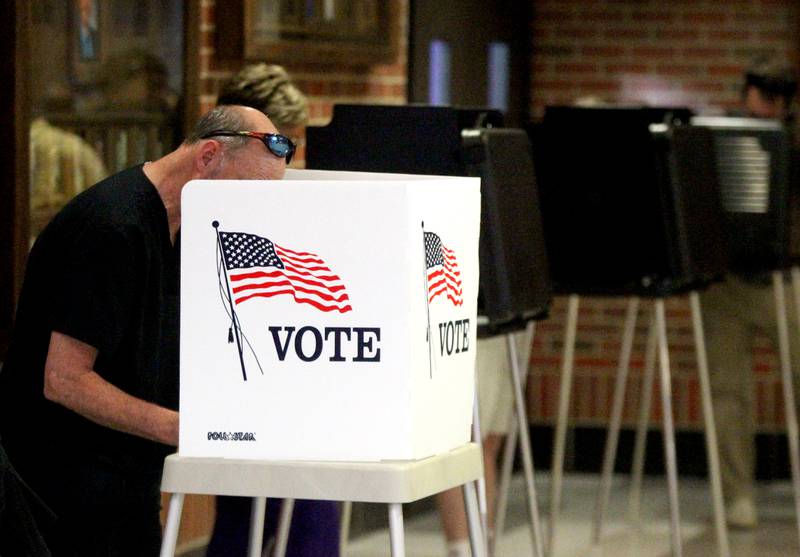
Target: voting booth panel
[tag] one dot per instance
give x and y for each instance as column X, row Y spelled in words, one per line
column 418, row 139
column 753, row 159
column 515, row 279
column 328, row 316
column 625, row 212
column 414, row 139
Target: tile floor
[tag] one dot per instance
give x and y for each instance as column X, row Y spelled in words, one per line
column 776, row 535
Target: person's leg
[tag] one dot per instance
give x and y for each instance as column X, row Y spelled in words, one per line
column 495, row 403
column 727, row 308
column 451, row 502
column 24, row 518
column 101, row 512
column 314, row 530
column 231, row 527
column 768, row 326
column 141, row 530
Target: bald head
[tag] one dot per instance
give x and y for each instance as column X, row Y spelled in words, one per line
column 237, row 157
column 231, row 118
column 215, row 157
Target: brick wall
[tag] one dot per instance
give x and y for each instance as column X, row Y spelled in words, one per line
column 324, row 84
column 680, row 52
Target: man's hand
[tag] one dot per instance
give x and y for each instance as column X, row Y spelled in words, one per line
column 70, row 380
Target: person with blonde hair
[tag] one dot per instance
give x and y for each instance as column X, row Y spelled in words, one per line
column 268, row 88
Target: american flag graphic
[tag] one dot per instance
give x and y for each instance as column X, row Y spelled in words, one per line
column 259, row 268
column 442, row 268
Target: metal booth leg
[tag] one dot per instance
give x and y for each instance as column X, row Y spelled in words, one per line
column 284, row 524
column 170, row 540
column 646, row 398
column 477, row 539
column 510, row 448
column 396, row 534
column 711, row 428
column 257, row 513
column 477, row 437
column 525, row 449
column 788, row 388
column 669, row 430
column 557, row 468
column 612, row 438
column 504, row 483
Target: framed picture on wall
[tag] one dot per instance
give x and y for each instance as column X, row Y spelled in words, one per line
column 87, row 32
column 319, row 31
column 86, row 39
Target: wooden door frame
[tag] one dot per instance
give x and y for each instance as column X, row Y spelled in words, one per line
column 15, row 25
column 14, row 208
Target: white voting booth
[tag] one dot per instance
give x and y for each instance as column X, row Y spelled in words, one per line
column 328, row 316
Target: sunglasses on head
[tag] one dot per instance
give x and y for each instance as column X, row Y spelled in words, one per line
column 279, row 145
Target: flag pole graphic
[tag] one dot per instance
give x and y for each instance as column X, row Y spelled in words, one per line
column 427, row 302
column 235, row 319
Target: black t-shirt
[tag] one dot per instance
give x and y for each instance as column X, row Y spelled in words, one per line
column 104, row 271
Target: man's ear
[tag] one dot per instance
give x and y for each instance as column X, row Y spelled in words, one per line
column 208, row 157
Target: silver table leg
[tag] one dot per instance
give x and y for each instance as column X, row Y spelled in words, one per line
column 510, row 447
column 669, row 430
column 711, row 428
column 525, row 449
column 646, row 398
column 557, row 468
column 612, row 439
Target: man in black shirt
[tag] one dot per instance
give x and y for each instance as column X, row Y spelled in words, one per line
column 89, row 390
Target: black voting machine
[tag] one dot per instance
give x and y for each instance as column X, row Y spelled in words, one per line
column 629, row 199
column 514, row 280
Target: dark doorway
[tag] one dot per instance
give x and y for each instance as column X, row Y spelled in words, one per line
column 476, row 50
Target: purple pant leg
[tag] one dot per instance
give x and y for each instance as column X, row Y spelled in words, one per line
column 314, row 531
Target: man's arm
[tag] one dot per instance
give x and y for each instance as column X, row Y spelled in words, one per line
column 70, row 380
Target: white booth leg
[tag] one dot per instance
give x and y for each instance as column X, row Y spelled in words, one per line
column 477, row 538
column 645, row 402
column 284, row 524
column 525, row 449
column 669, row 430
column 711, row 428
column 257, row 513
column 788, row 388
column 557, row 468
column 170, row 539
column 396, row 533
column 344, row 526
column 477, row 437
column 612, row 439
